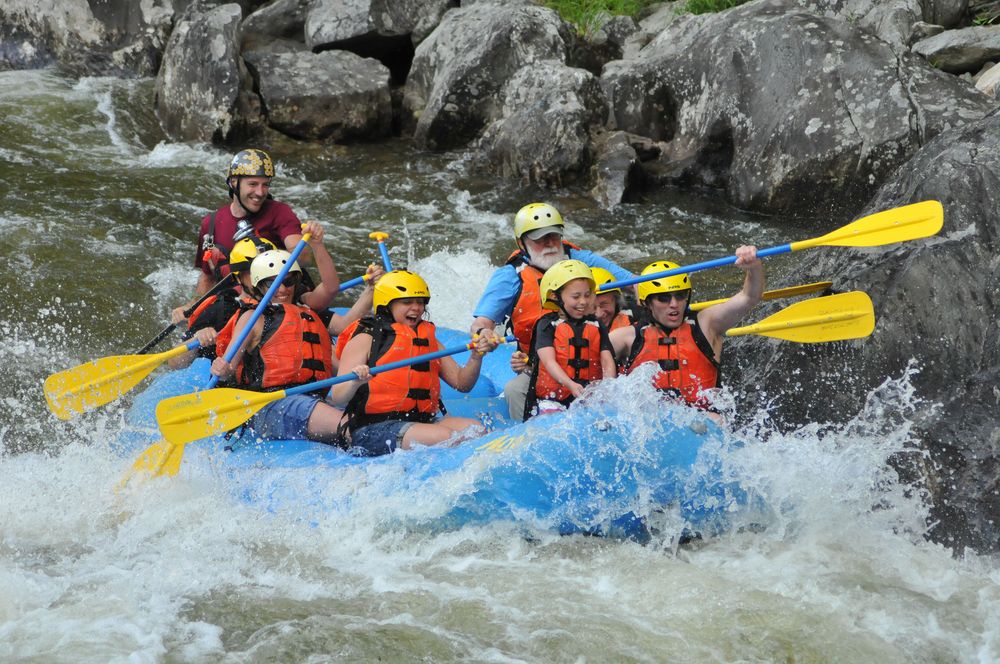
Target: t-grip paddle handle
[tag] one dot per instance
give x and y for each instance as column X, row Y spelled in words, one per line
column 381, row 237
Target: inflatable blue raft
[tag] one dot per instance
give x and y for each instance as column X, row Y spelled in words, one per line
column 603, row 467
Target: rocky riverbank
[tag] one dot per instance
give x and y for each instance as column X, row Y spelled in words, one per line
column 811, row 110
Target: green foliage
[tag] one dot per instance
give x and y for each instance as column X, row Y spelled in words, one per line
column 707, row 6
column 589, row 15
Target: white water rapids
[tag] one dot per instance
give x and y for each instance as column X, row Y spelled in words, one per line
column 96, row 240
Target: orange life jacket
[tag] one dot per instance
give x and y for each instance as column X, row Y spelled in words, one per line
column 224, row 337
column 346, row 335
column 621, row 319
column 411, row 393
column 687, row 363
column 294, row 349
column 577, row 345
column 528, row 304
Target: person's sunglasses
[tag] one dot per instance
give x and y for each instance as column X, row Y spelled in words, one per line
column 664, row 298
column 290, row 281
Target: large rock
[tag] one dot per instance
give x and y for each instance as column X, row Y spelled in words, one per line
column 202, row 88
column 332, row 95
column 112, row 37
column 893, row 21
column 459, row 71
column 960, row 51
column 937, row 305
column 548, row 113
column 786, row 110
column 331, row 23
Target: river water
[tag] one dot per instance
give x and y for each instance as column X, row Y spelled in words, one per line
column 98, row 228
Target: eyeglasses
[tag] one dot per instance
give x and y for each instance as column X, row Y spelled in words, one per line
column 290, row 281
column 664, row 298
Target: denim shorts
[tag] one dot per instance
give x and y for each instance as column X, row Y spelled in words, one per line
column 284, row 419
column 379, row 438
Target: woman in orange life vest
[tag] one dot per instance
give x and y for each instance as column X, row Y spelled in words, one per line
column 687, row 346
column 288, row 345
column 399, row 408
column 608, row 303
column 221, row 311
column 571, row 346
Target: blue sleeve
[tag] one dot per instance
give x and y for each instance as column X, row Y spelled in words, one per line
column 593, row 260
column 497, row 301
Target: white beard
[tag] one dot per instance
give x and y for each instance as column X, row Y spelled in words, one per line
column 548, row 259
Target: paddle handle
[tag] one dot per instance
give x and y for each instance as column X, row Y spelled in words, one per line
column 382, row 368
column 259, row 310
column 381, row 237
column 219, row 285
column 157, row 339
column 697, row 267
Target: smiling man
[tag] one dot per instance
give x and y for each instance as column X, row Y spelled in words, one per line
column 512, row 293
column 249, row 182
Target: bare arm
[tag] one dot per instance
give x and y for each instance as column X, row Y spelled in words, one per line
column 362, row 307
column 622, row 339
column 547, row 356
column 464, row 378
column 329, row 282
column 715, row 320
column 608, row 367
column 354, row 359
column 225, row 369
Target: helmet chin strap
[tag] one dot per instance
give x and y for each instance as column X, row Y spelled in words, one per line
column 249, row 216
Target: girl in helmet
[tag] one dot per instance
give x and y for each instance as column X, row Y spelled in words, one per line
column 400, row 408
column 608, row 304
column 687, row 346
column 570, row 348
column 288, row 346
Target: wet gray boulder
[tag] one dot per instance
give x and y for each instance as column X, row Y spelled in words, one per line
column 937, row 304
column 201, row 90
column 112, row 37
column 961, row 51
column 335, row 22
column 547, row 117
column 785, row 110
column 458, row 72
column 893, row 21
column 333, row 95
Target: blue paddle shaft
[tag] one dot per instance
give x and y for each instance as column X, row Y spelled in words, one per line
column 697, row 267
column 356, row 281
column 259, row 311
column 385, row 256
column 427, row 357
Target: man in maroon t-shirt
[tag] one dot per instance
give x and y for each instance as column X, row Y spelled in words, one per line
column 249, row 182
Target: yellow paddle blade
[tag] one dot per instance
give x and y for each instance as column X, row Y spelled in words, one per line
column 831, row 318
column 791, row 291
column 909, row 222
column 160, row 458
column 93, row 384
column 198, row 415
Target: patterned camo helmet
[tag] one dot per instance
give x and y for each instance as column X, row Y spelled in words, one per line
column 251, row 163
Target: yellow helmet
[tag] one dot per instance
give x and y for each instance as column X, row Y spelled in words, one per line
column 245, row 251
column 558, row 276
column 397, row 285
column 268, row 264
column 601, row 277
column 537, row 216
column 665, row 285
